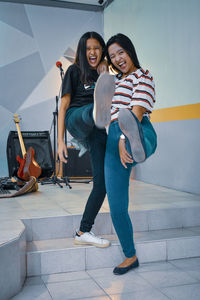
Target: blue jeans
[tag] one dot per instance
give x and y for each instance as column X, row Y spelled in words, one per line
column 117, row 182
column 80, row 124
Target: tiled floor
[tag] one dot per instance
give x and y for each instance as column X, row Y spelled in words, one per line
column 51, row 200
column 177, row 279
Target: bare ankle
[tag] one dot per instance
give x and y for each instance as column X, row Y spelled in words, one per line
column 133, row 257
column 80, row 233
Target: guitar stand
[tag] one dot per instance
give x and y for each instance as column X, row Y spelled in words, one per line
column 66, row 180
column 55, row 180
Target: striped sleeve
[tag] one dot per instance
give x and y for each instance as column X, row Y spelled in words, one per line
column 144, row 93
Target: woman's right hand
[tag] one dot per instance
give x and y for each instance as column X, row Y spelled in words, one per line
column 62, row 152
column 125, row 157
column 62, row 148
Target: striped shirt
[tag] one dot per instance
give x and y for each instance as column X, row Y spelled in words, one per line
column 137, row 88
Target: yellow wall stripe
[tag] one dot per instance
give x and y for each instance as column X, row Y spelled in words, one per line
column 184, row 112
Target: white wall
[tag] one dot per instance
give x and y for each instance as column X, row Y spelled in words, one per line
column 167, row 40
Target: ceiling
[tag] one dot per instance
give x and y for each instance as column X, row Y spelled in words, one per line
column 91, row 2
column 91, row 5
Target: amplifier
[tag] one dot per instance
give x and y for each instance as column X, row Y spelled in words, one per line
column 41, row 143
column 77, row 167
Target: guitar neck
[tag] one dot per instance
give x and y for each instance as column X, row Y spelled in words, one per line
column 23, row 149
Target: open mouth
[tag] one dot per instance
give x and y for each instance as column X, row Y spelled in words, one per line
column 122, row 65
column 92, row 59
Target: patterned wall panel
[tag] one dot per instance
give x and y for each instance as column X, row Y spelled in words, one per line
column 41, row 93
column 55, row 29
column 32, row 39
column 15, row 16
column 15, row 44
column 4, row 116
column 18, row 80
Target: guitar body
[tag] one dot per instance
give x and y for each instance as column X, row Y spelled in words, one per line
column 21, row 161
column 31, row 167
column 28, row 165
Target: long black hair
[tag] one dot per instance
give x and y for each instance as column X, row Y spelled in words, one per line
column 81, row 59
column 123, row 41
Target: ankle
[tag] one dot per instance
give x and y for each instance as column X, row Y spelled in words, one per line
column 128, row 261
column 132, row 258
column 80, row 232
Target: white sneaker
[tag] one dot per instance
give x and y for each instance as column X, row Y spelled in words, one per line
column 82, row 151
column 103, row 94
column 88, row 238
column 78, row 146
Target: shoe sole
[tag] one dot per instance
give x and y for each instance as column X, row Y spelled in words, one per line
column 103, row 94
column 129, row 126
column 91, row 244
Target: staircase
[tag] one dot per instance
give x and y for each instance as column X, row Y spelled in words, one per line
column 36, row 231
column 160, row 235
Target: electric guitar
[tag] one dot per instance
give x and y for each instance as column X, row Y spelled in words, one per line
column 27, row 165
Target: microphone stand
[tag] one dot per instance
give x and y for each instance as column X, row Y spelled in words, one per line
column 54, row 179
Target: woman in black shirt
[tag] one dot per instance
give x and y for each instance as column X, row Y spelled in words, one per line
column 76, row 114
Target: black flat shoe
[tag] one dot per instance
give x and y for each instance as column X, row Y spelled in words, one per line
column 121, row 271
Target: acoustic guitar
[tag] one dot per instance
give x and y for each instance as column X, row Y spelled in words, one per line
column 27, row 165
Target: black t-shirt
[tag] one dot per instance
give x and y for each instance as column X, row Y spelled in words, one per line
column 81, row 94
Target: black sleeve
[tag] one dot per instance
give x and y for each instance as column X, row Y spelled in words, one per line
column 70, row 80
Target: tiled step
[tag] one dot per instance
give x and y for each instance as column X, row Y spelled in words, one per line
column 12, row 257
column 61, row 255
column 143, row 220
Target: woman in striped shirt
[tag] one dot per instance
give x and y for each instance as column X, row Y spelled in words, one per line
column 131, row 137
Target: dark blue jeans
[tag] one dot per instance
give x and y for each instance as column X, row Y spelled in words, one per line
column 117, row 182
column 80, row 124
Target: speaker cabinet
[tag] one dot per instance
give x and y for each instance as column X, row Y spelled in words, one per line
column 77, row 167
column 41, row 143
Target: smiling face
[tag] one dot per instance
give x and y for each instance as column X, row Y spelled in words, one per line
column 93, row 52
column 120, row 59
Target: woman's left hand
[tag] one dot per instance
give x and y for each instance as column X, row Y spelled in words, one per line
column 125, row 157
column 102, row 67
